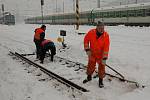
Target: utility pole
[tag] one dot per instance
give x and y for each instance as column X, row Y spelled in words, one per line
column 73, row 5
column 63, row 7
column 77, row 14
column 92, row 19
column 3, row 13
column 136, row 1
column 56, row 6
column 0, row 12
column 120, row 3
column 98, row 3
column 128, row 2
column 42, row 3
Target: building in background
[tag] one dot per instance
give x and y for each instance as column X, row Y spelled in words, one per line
column 27, row 8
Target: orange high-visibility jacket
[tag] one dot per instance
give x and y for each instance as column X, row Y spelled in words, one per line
column 37, row 34
column 99, row 47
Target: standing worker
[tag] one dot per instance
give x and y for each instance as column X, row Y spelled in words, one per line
column 38, row 38
column 96, row 45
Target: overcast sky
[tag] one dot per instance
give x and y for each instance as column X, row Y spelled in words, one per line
column 27, row 8
column 32, row 7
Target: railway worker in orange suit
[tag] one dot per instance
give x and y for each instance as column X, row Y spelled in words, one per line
column 38, row 38
column 96, row 45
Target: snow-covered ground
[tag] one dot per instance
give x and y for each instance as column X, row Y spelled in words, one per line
column 129, row 54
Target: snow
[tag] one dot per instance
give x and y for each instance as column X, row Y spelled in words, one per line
column 16, row 84
column 129, row 54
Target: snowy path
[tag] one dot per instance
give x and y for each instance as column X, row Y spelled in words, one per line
column 17, row 84
column 129, row 54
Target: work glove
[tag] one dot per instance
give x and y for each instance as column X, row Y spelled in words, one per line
column 88, row 52
column 104, row 61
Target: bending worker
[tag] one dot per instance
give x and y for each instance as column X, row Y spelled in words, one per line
column 47, row 45
column 96, row 45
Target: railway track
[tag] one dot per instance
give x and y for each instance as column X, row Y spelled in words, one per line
column 50, row 73
column 80, row 66
column 69, row 84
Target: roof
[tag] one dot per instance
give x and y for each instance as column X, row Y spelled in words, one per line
column 124, row 6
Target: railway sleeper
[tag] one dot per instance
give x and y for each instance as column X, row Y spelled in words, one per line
column 79, row 66
column 51, row 74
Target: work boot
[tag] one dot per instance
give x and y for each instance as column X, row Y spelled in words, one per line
column 52, row 58
column 37, row 57
column 41, row 61
column 89, row 78
column 101, row 85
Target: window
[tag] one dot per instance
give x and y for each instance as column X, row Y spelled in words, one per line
column 105, row 14
column 111, row 14
column 117, row 13
column 131, row 13
column 123, row 13
column 140, row 12
column 147, row 12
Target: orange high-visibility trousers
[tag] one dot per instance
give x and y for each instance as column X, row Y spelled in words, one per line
column 92, row 66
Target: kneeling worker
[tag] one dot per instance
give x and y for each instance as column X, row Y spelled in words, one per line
column 47, row 45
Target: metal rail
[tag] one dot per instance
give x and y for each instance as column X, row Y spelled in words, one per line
column 48, row 72
column 82, row 66
column 121, row 78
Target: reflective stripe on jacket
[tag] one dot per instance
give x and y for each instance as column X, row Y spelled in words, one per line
column 99, row 47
